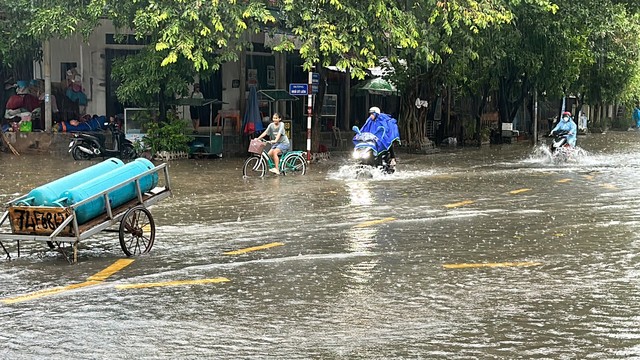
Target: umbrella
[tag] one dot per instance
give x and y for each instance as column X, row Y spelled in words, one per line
column 252, row 121
column 376, row 86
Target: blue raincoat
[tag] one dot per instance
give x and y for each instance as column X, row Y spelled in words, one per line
column 636, row 116
column 384, row 127
column 569, row 126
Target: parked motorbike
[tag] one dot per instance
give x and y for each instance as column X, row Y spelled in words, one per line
column 85, row 146
column 365, row 153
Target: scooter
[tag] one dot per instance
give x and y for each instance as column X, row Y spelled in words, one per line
column 85, row 146
column 560, row 148
column 365, row 153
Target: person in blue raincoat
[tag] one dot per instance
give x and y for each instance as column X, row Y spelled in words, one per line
column 566, row 123
column 636, row 116
column 391, row 134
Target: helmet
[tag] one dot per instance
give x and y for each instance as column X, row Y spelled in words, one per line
column 374, row 110
column 566, row 113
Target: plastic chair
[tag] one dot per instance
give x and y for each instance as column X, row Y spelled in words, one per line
column 338, row 141
column 233, row 115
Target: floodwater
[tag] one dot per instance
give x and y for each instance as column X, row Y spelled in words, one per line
column 495, row 253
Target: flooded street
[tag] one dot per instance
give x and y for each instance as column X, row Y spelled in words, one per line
column 495, row 253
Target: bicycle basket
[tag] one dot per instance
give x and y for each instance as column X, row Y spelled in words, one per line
column 256, row 146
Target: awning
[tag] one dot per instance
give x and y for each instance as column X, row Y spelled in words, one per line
column 196, row 102
column 277, row 95
column 376, row 86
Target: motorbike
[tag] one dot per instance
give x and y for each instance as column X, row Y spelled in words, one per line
column 560, row 148
column 366, row 153
column 85, row 146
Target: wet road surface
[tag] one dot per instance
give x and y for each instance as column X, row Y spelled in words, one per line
column 470, row 254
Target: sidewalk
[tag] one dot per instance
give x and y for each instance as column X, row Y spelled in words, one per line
column 58, row 143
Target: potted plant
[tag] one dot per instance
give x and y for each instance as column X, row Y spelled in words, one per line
column 167, row 139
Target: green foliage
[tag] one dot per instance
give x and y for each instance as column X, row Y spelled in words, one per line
column 349, row 34
column 589, row 48
column 192, row 30
column 16, row 43
column 622, row 122
column 142, row 84
column 167, row 136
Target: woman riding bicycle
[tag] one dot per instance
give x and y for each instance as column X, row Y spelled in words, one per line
column 280, row 142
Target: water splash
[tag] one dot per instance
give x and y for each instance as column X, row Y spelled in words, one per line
column 542, row 154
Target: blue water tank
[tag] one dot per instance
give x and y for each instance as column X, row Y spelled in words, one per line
column 103, row 182
column 46, row 194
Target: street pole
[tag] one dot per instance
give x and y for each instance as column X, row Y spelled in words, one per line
column 309, row 113
column 535, row 117
column 47, row 85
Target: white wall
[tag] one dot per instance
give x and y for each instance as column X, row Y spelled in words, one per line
column 229, row 94
column 90, row 57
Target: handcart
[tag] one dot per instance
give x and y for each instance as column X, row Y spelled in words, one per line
column 57, row 225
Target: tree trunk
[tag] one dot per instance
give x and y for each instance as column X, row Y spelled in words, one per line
column 162, row 103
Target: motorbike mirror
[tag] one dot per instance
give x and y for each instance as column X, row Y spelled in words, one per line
column 356, row 129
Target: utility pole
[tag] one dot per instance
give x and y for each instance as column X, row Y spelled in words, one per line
column 47, row 85
column 535, row 117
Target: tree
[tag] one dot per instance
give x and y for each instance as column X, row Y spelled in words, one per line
column 452, row 35
column 349, row 34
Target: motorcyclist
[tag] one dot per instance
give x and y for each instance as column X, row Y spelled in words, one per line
column 636, row 116
column 566, row 123
column 374, row 114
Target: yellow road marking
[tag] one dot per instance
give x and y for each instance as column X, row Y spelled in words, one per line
column 374, row 222
column 92, row 280
column 255, row 248
column 588, row 177
column 172, row 283
column 112, row 269
column 47, row 292
column 485, row 265
column 609, row 186
column 461, row 203
column 518, row 191
column 563, row 180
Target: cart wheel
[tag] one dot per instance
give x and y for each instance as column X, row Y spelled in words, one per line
column 137, row 231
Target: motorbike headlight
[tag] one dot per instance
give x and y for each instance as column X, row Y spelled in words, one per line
column 361, row 154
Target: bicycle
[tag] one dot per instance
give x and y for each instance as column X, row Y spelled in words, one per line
column 292, row 163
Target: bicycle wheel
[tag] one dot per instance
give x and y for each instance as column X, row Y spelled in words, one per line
column 254, row 166
column 294, row 165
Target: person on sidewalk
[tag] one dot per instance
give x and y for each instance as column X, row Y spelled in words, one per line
column 195, row 110
column 279, row 139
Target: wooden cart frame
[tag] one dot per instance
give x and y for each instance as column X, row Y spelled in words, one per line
column 59, row 225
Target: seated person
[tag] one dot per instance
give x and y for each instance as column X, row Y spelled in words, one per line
column 21, row 102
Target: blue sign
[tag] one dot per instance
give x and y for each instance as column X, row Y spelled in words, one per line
column 298, row 89
column 314, row 88
column 315, row 78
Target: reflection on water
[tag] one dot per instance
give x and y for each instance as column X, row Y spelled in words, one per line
column 343, row 285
